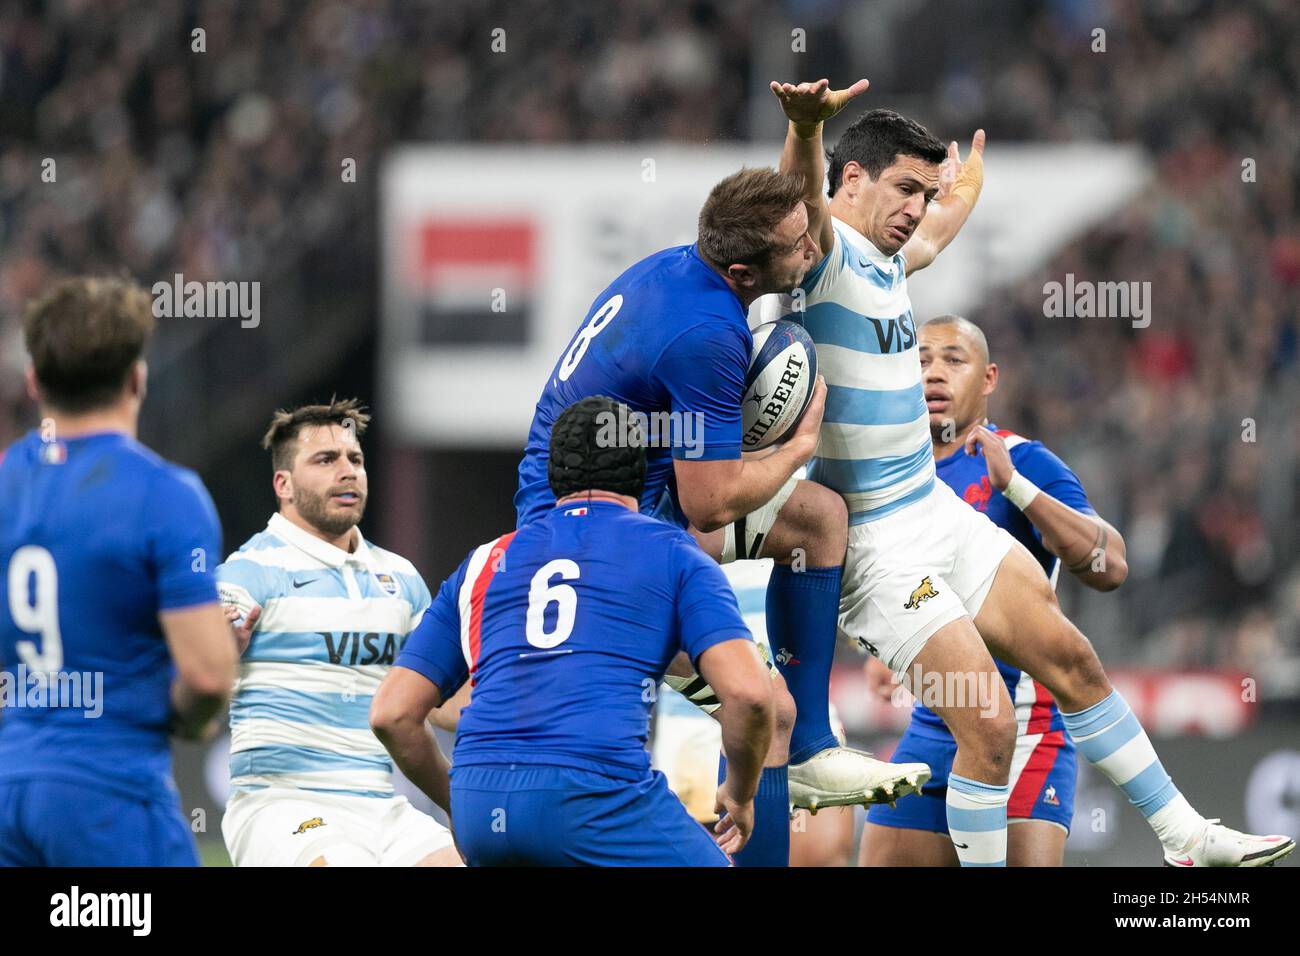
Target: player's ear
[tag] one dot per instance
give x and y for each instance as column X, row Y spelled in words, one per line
column 282, row 483
column 33, row 389
column 991, row 378
column 851, row 176
column 138, row 380
column 743, row 275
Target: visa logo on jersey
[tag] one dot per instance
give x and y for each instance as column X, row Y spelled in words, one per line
column 355, row 649
column 894, row 335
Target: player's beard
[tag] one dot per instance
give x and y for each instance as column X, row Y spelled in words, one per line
column 315, row 510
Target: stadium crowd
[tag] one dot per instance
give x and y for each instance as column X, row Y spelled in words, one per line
column 224, row 164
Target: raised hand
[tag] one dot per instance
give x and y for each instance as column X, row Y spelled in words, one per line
column 807, row 104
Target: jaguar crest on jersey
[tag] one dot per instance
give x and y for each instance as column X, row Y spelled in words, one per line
column 924, row 591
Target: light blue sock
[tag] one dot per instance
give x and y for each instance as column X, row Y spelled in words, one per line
column 977, row 820
column 1109, row 735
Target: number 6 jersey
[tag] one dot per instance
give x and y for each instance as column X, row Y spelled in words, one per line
column 565, row 627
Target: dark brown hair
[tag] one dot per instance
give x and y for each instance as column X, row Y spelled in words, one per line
column 281, row 438
column 83, row 336
column 741, row 213
column 875, row 141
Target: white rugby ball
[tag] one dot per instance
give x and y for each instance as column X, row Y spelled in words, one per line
column 782, row 372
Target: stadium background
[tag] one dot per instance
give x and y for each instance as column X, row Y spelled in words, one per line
column 225, row 165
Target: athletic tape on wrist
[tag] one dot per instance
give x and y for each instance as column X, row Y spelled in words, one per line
column 1020, row 491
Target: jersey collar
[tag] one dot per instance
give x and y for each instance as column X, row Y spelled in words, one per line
column 322, row 551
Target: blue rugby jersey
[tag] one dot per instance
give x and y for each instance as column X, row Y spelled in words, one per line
column 566, row 627
column 97, row 535
column 668, row 337
column 967, row 475
column 332, row 624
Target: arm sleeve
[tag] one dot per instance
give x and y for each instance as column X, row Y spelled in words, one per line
column 243, row 584
column 703, row 372
column 433, row 649
column 707, row 613
column 1053, row 476
column 183, row 538
column 421, row 599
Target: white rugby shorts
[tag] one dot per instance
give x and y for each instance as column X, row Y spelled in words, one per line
column 286, row 826
column 911, row 572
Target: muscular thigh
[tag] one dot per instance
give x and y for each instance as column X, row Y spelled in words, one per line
column 954, row 675
column 1023, row 625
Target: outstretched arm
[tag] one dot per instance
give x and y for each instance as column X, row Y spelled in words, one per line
column 945, row 218
column 808, row 106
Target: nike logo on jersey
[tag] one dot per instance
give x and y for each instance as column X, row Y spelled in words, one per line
column 961, row 846
column 299, row 584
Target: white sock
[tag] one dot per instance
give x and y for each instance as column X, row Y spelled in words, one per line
column 1176, row 824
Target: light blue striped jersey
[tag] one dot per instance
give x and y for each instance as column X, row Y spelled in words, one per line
column 749, row 580
column 332, row 624
column 874, row 447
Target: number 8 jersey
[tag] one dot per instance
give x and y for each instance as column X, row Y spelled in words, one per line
column 669, row 339
column 565, row 628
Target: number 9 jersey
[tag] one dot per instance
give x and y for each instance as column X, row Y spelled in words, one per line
column 98, row 535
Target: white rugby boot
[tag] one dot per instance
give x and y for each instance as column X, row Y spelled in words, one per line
column 843, row 777
column 1217, row 845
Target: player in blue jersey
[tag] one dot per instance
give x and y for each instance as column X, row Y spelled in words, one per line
column 566, row 627
column 959, row 377
column 322, row 613
column 111, row 637
column 670, row 338
column 929, row 581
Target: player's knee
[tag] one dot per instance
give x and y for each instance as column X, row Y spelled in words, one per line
column 1073, row 658
column 784, row 713
column 824, row 519
column 1080, row 665
column 992, row 741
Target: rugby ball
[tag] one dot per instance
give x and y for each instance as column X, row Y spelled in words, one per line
column 782, row 372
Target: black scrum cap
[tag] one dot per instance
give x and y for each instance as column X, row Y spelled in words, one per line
column 596, row 445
